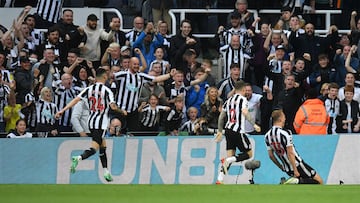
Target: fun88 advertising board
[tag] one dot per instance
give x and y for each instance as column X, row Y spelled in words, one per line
column 168, row 160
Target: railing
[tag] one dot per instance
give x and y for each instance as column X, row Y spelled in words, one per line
column 256, row 13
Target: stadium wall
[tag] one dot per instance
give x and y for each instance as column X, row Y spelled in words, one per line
column 168, row 160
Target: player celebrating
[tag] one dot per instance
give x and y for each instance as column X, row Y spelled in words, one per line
column 99, row 98
column 236, row 110
column 280, row 141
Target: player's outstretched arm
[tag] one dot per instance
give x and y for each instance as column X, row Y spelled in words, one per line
column 68, row 106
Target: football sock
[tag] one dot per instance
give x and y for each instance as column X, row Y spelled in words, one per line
column 103, row 157
column 307, row 181
column 87, row 153
column 231, row 159
column 242, row 157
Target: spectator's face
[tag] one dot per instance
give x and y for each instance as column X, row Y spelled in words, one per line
column 235, row 22
column 275, row 39
column 199, row 74
column 280, row 53
column 9, row 42
column 333, row 92
column 125, row 63
column 294, row 21
column 68, row 17
column 21, row 127
column 264, row 29
column 350, row 79
column 46, row 95
column 26, row 65
column 241, row 7
column 248, row 91
column 157, row 69
column 66, row 81
column 83, row 74
column 235, row 42
column 49, row 55
column 289, row 82
column 25, row 30
column 153, row 100
column 2, row 59
column 179, row 105
column 116, row 23
column 358, row 24
column 299, row 65
column 53, row 37
column 163, row 28
column 139, row 23
column 344, row 41
column 346, row 50
column 323, row 62
column 193, row 114
column 179, row 78
column 185, row 29
column 31, row 22
column 92, row 24
column 349, row 96
column 71, row 58
column 286, row 15
column 213, row 93
column 235, row 73
column 286, row 67
column 115, row 53
column 159, row 53
column 309, row 29
column 134, row 64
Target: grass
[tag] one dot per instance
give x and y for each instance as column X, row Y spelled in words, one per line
column 178, row 193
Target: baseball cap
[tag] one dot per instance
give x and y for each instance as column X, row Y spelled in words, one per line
column 124, row 48
column 92, row 17
column 24, row 59
column 280, row 47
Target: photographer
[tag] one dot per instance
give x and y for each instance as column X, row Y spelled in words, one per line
column 114, row 128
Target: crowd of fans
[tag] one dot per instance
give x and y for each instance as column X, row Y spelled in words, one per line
column 163, row 82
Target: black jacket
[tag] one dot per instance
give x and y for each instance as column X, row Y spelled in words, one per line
column 23, row 80
column 343, row 115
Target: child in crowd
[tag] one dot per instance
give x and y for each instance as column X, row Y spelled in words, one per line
column 150, row 114
column 12, row 112
column 4, row 93
column 189, row 125
column 174, row 118
column 159, row 58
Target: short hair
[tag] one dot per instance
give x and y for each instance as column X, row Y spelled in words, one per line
column 324, row 86
column 276, row 114
column 21, row 119
column 323, row 56
column 75, row 51
column 239, row 85
column 312, row 93
column 185, row 21
column 234, row 65
column 349, row 88
column 197, row 70
column 114, row 45
column 334, row 85
column 179, row 99
column 191, row 108
column 100, row 72
column 208, row 61
column 67, row 9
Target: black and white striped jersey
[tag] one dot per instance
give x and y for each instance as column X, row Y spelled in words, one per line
column 129, row 89
column 188, row 126
column 31, row 114
column 98, row 97
column 4, row 93
column 150, row 116
column 278, row 139
column 132, row 35
column 49, row 10
column 235, row 118
column 63, row 96
column 45, row 112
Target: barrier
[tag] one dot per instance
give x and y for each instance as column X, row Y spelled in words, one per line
column 168, row 160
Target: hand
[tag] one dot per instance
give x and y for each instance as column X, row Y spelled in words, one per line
column 354, row 13
column 82, row 134
column 124, row 112
column 220, row 29
column 218, row 136
column 137, row 51
column 172, row 72
column 356, row 128
column 318, row 79
column 307, row 56
column 54, row 132
column 338, row 51
column 257, row 128
column 59, row 114
column 81, row 30
column 89, row 64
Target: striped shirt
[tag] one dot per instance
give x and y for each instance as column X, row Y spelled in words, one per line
column 332, row 107
column 235, row 118
column 163, row 65
column 150, row 116
column 99, row 97
column 129, row 89
column 50, row 10
column 4, row 92
column 6, row 76
column 132, row 35
column 231, row 56
column 63, row 96
column 188, row 126
column 45, row 112
column 31, row 116
column 278, row 139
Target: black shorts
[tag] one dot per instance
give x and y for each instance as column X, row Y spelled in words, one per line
column 305, row 171
column 237, row 140
column 97, row 135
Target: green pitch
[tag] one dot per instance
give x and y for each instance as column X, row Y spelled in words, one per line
column 179, row 193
